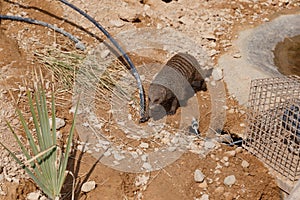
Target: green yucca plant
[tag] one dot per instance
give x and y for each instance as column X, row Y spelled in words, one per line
column 46, row 164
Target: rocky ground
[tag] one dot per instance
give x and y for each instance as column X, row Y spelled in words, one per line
column 221, row 172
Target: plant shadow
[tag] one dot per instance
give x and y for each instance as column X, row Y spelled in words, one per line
column 74, row 164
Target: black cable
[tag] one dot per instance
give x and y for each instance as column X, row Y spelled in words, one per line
column 77, row 42
column 128, row 60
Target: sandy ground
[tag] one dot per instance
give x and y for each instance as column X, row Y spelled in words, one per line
column 212, row 25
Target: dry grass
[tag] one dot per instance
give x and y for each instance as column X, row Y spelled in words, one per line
column 89, row 73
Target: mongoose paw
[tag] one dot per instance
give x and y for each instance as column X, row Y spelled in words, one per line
column 171, row 112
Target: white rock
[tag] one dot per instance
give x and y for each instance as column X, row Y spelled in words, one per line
column 134, row 155
column 81, row 148
column 80, row 46
column 117, row 23
column 220, row 190
column 118, row 156
column 198, row 176
column 213, row 83
column 105, row 53
column 141, row 180
column 144, row 157
column 116, row 162
column 144, row 145
column 209, row 36
column 237, row 55
column 33, row 195
column 209, row 145
column 129, row 15
column 204, row 197
column 172, row 149
column 239, row 150
column 88, row 186
column 217, row 74
column 186, row 20
column 230, row 153
column 245, row 164
column 44, row 198
column 225, row 158
column 229, row 180
column 213, row 52
column 203, row 185
column 147, row 166
column 58, row 122
column 129, row 117
column 107, row 153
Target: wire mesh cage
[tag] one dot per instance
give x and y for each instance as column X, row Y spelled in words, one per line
column 273, row 124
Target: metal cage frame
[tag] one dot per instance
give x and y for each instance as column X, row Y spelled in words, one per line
column 273, row 125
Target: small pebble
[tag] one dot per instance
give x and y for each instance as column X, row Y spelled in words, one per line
column 217, row 74
column 228, row 196
column 203, row 185
column 88, row 186
column 226, row 164
column 117, row 23
column 104, row 53
column 144, row 145
column 172, row 149
column 245, row 164
column 44, row 198
column 33, row 195
column 239, row 150
column 204, row 197
column 107, row 153
column 237, row 55
column 141, row 180
column 144, row 158
column 229, row 180
column 198, row 176
column 230, row 153
column 225, row 158
column 209, row 145
column 118, row 156
column 147, row 166
column 79, row 45
column 59, row 123
column 220, row 190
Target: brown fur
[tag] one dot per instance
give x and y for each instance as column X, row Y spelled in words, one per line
column 174, row 83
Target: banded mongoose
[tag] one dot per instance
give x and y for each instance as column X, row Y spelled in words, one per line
column 175, row 83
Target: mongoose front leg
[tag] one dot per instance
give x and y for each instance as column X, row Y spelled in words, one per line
column 174, row 106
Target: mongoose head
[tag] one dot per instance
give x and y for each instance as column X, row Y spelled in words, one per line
column 157, row 95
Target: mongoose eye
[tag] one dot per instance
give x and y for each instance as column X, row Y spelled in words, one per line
column 156, row 101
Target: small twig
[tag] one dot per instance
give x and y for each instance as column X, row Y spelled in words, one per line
column 218, row 134
column 73, row 184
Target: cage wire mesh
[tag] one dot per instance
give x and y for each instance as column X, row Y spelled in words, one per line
column 273, row 124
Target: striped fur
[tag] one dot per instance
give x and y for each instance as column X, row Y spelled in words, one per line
column 174, row 83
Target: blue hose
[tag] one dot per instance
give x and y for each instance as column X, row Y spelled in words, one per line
column 143, row 115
